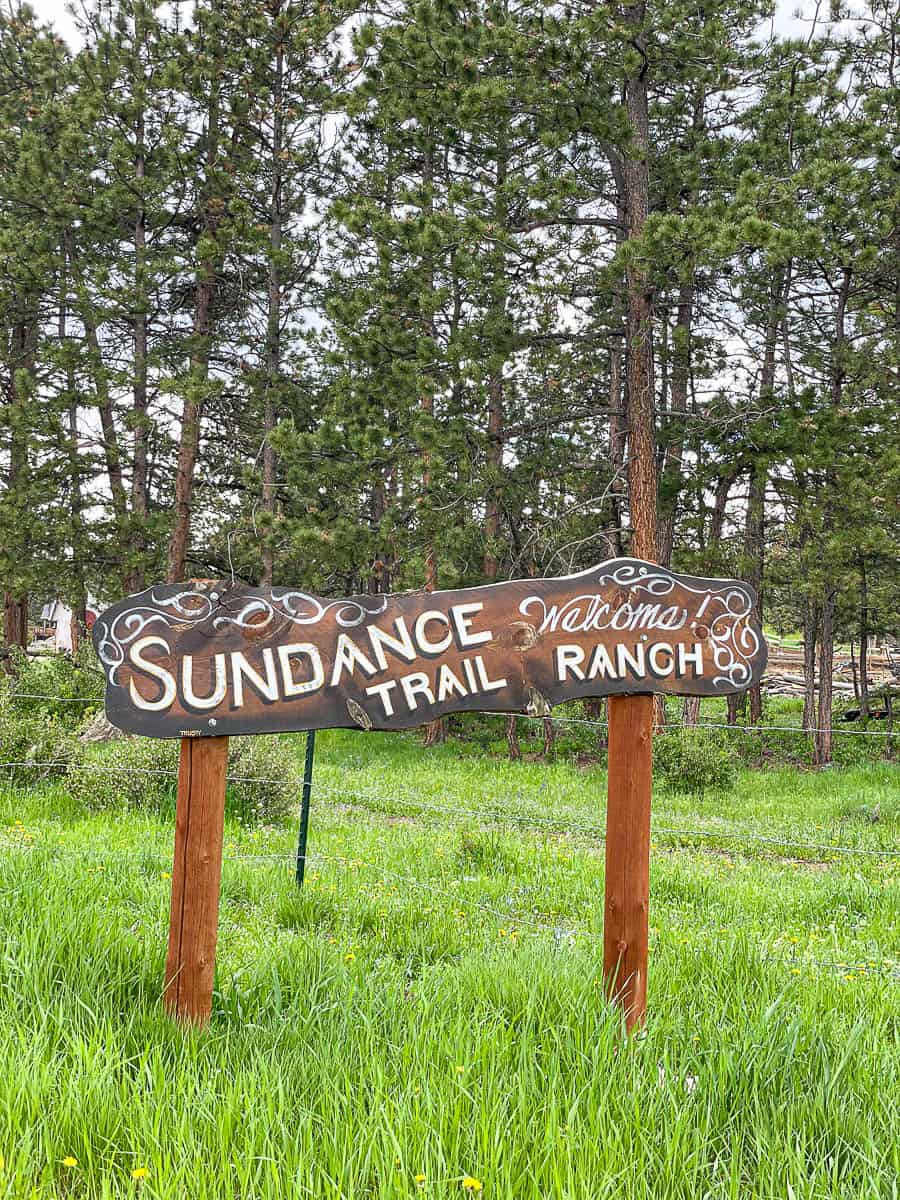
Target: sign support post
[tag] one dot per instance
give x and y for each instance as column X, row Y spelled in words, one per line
column 626, row 915
column 196, row 879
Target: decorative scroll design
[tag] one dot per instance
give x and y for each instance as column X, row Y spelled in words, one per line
column 733, row 641
column 193, row 606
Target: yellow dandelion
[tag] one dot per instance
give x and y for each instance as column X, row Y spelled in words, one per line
column 460, row 1070
column 139, row 1173
column 70, row 1161
column 471, row 1184
column 420, row 1178
column 349, row 957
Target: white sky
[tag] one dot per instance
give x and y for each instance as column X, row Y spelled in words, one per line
column 792, row 16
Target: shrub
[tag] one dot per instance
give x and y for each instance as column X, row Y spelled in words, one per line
column 139, row 773
column 33, row 737
column 134, row 773
column 273, row 761
column 55, row 685
column 693, row 762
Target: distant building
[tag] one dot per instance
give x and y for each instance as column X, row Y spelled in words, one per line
column 55, row 634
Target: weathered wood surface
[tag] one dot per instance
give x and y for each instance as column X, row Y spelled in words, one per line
column 211, row 658
column 627, row 891
column 196, row 879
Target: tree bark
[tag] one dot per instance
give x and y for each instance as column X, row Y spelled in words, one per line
column 512, row 738
column 495, row 467
column 198, row 380
column 21, row 358
column 673, row 455
column 811, row 619
column 642, row 476
column 15, row 620
column 273, row 315
column 616, row 448
column 823, row 738
column 140, row 504
column 863, row 639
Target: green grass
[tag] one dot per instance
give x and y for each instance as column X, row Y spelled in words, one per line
column 431, row 1002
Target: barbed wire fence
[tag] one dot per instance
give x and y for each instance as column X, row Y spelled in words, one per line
column 562, row 930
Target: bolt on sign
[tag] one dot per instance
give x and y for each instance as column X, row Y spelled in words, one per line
column 209, row 658
column 214, row 658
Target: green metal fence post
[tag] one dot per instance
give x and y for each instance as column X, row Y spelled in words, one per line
column 304, row 807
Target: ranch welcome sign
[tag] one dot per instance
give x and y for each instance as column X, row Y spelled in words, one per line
column 209, row 658
column 213, row 658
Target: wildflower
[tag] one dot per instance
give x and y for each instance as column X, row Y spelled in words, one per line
column 471, row 1184
column 139, row 1173
column 349, row 957
column 420, row 1178
column 70, row 1161
column 460, row 1070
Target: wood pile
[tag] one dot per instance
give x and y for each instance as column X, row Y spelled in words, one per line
column 784, row 673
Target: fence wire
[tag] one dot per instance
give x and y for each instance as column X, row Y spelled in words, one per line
column 499, row 816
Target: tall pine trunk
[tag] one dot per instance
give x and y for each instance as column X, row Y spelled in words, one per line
column 863, row 638
column 823, row 737
column 811, row 616
column 140, row 505
column 436, row 730
column 21, row 360
column 822, row 755
column 273, row 313
column 755, row 525
column 201, row 339
column 639, row 291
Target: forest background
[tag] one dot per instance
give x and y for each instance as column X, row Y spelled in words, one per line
column 373, row 297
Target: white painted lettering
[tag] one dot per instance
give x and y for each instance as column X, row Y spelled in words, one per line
column 425, row 619
column 216, row 696
column 634, row 659
column 415, row 685
column 402, row 644
column 569, row 659
column 382, row 690
column 487, row 685
column 267, row 688
column 601, row 664
column 694, row 657
column 290, row 685
column 656, row 666
column 155, row 671
column 448, row 684
column 346, row 657
column 462, row 622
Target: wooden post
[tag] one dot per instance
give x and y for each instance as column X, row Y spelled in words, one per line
column 625, row 924
column 196, row 877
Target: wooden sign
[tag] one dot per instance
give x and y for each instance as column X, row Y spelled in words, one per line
column 213, row 658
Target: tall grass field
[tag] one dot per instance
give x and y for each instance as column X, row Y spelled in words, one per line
column 426, row 1016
